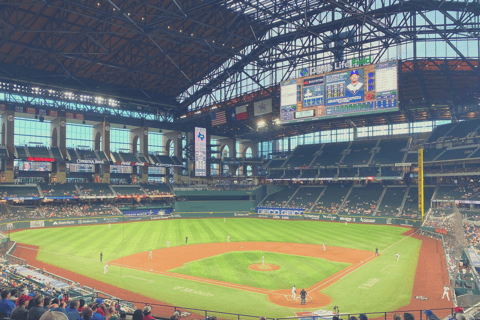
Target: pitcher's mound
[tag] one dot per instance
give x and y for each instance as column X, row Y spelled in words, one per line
column 261, row 267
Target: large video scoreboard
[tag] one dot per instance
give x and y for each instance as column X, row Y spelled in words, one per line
column 348, row 92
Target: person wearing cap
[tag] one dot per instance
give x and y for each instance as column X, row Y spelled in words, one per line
column 430, row 315
column 146, row 313
column 20, row 312
column 6, row 306
column 81, row 306
column 355, row 85
column 37, row 310
column 408, row 316
column 53, row 315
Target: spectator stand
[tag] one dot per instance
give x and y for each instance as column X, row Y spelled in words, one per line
column 445, row 223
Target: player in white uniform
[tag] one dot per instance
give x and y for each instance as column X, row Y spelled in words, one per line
column 150, row 255
column 109, row 226
column 223, row 219
column 294, row 292
column 168, row 244
column 445, row 292
column 398, row 256
column 324, row 249
column 263, row 260
column 105, row 269
column 228, row 238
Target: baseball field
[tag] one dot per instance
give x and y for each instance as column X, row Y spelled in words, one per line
column 210, row 273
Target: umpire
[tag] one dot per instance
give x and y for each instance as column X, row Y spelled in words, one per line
column 303, row 296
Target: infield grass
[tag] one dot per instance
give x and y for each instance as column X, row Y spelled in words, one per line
column 77, row 249
column 233, row 267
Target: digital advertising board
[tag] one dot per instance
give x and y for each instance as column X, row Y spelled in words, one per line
column 200, row 152
column 356, row 87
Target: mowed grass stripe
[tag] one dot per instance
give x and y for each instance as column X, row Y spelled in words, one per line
column 232, row 267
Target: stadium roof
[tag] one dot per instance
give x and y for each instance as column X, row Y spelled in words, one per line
column 178, row 52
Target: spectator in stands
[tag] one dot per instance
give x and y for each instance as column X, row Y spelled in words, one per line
column 37, row 310
column 87, row 314
column 396, row 316
column 96, row 315
column 112, row 314
column 408, row 316
column 146, row 313
column 430, row 315
column 137, row 315
column 72, row 312
column 363, row 316
column 57, row 305
column 20, row 312
column 6, row 306
column 53, row 315
column 81, row 306
column 47, row 303
column 14, row 295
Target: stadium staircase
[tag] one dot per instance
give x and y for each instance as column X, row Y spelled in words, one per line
column 345, row 152
column 345, row 200
column 316, row 200
column 40, row 192
column 373, row 151
column 404, row 199
column 380, row 201
column 286, row 204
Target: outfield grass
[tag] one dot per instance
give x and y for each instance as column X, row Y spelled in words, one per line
column 77, row 249
column 233, row 267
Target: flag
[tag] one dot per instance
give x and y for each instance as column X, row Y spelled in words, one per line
column 239, row 113
column 262, row 107
column 218, row 118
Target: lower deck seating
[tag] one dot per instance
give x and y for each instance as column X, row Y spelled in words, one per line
column 392, row 201
column 280, row 198
column 305, row 197
column 362, row 200
column 332, row 198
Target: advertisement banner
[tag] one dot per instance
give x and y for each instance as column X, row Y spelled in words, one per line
column 139, row 213
column 280, row 211
column 37, row 224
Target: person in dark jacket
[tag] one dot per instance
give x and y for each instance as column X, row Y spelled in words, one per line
column 430, row 315
column 363, row 316
column 6, row 306
column 20, row 312
column 87, row 314
column 37, row 310
column 72, row 312
column 137, row 315
column 408, row 316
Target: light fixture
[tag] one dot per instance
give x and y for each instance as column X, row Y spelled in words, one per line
column 261, row 124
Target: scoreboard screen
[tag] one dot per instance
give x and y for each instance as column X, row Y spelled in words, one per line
column 355, row 91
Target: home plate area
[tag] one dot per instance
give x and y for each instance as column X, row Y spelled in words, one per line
column 297, row 298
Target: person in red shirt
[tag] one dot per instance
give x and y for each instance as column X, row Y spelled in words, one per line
column 146, row 313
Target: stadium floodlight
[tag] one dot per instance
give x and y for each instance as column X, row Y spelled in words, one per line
column 261, row 124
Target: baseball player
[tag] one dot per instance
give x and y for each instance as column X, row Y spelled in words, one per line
column 345, row 222
column 223, row 219
column 445, row 292
column 109, row 226
column 150, row 255
column 398, row 256
column 228, row 238
column 263, row 260
column 105, row 268
column 101, row 256
column 294, row 292
column 168, row 244
column 376, row 251
column 324, row 249
column 186, row 240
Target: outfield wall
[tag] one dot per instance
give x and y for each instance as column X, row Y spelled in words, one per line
column 61, row 222
column 214, row 206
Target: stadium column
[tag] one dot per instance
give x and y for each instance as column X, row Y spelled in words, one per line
column 101, row 138
column 230, row 144
column 174, row 137
column 8, row 132
column 244, row 147
column 58, row 128
column 139, row 136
